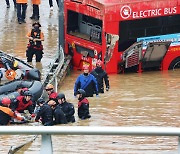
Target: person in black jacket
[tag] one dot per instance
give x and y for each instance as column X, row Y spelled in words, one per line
column 8, row 4
column 66, row 107
column 83, row 105
column 6, row 113
column 101, row 77
column 58, row 114
column 45, row 113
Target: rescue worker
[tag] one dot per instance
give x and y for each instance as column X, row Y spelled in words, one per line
column 35, row 14
column 66, row 107
column 87, row 82
column 83, row 105
column 51, row 93
column 21, row 10
column 8, row 4
column 45, row 113
column 21, row 90
column 23, row 102
column 101, row 77
column 35, row 43
column 51, row 4
column 58, row 114
column 6, row 113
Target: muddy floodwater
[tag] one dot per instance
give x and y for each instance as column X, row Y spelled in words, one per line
column 147, row 99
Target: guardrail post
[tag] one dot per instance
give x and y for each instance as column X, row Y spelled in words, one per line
column 178, row 144
column 46, row 144
column 55, row 83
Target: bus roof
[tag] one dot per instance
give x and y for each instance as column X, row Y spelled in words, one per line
column 119, row 2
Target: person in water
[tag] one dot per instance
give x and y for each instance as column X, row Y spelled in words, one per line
column 87, row 82
column 83, row 105
column 52, row 95
column 45, row 113
column 6, row 113
column 58, row 114
column 24, row 102
column 101, row 77
column 66, row 107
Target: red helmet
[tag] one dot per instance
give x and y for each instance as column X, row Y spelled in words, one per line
column 99, row 63
column 85, row 67
column 6, row 101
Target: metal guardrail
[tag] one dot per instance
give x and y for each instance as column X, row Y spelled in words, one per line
column 61, row 62
column 52, row 74
column 47, row 131
column 57, row 69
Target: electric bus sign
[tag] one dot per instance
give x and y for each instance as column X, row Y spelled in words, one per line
column 126, row 12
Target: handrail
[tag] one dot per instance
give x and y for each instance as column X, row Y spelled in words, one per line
column 53, row 78
column 90, row 130
column 61, row 62
column 47, row 131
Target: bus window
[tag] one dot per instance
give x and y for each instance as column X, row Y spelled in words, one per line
column 129, row 31
column 84, row 27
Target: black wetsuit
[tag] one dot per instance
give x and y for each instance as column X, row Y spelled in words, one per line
column 6, row 114
column 46, row 113
column 4, row 118
column 101, row 75
column 59, row 116
column 83, row 109
column 68, row 109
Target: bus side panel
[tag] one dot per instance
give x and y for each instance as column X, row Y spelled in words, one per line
column 172, row 54
column 112, row 65
column 78, row 58
column 178, row 7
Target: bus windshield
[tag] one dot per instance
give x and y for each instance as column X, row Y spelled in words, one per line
column 130, row 30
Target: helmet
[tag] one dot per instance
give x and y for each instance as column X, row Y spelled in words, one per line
column 36, row 23
column 27, row 93
column 99, row 63
column 40, row 101
column 6, row 101
column 60, row 96
column 49, row 87
column 85, row 67
column 81, row 91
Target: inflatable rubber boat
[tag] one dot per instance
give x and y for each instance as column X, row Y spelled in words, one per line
column 12, row 68
column 11, row 88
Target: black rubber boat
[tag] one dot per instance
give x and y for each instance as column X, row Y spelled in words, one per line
column 12, row 68
column 10, row 89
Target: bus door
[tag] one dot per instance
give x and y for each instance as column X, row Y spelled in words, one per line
column 154, row 54
column 111, row 40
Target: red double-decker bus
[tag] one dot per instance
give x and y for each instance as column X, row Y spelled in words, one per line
column 126, row 35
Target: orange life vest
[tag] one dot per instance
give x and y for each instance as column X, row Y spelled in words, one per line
column 21, row 1
column 36, row 2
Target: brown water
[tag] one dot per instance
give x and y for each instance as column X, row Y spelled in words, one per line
column 147, row 99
